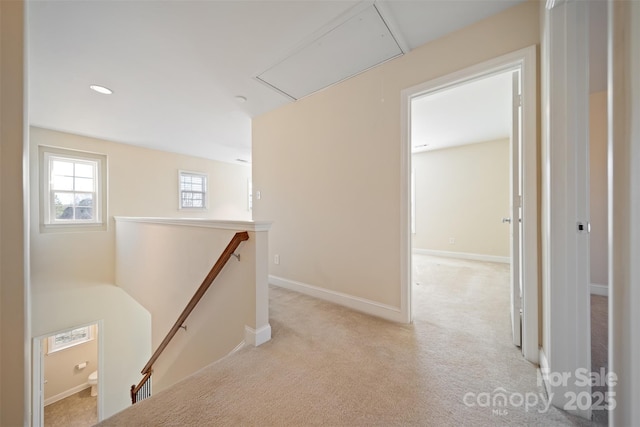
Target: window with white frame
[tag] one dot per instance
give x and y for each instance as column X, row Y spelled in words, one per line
column 70, row 338
column 73, row 187
column 193, row 190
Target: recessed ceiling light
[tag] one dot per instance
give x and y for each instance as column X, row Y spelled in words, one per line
column 101, row 89
column 241, row 99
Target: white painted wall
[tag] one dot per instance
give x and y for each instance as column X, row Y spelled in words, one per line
column 463, row 192
column 162, row 265
column 328, row 166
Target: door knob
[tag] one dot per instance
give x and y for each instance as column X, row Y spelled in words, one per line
column 506, row 220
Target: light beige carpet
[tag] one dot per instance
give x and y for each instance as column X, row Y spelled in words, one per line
column 328, row 365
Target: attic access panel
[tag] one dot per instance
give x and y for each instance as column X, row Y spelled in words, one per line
column 359, row 43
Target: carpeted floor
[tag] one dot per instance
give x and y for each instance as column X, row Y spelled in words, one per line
column 328, row 365
column 599, row 351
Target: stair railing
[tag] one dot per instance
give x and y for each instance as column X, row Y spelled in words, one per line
column 143, row 389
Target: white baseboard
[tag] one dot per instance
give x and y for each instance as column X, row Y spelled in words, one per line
column 463, row 255
column 237, row 348
column 597, row 289
column 257, row 337
column 67, row 393
column 356, row 303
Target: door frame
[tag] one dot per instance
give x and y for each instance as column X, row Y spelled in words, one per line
column 524, row 59
column 564, row 151
column 624, row 209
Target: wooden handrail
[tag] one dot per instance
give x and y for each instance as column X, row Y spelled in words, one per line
column 215, row 270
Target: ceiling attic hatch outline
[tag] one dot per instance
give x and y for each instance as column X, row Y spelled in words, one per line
column 355, row 42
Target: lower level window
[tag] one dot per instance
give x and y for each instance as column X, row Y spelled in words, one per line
column 69, row 339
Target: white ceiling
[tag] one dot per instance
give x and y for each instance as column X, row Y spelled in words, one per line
column 474, row 112
column 176, row 67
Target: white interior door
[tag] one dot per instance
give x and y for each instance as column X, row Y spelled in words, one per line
column 515, row 217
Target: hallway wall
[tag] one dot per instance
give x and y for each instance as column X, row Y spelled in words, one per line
column 328, row 165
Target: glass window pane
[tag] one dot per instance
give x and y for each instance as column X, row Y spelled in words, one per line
column 69, row 338
column 73, row 186
column 83, row 212
column 84, row 170
column 61, row 168
column 193, row 188
column 84, row 184
column 64, row 212
column 83, row 199
column 63, row 199
column 62, row 183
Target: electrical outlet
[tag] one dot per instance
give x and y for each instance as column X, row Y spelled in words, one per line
column 452, row 240
column 276, row 259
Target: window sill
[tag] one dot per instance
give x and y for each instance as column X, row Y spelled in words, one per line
column 73, row 228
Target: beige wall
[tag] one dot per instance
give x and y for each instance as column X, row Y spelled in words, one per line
column 14, row 326
column 463, row 192
column 73, row 273
column 328, row 166
column 60, row 371
column 217, row 324
column 142, row 182
column 598, row 188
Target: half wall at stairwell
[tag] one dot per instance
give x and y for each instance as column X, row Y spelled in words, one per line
column 161, row 262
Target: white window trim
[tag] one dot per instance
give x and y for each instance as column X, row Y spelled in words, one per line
column 182, row 172
column 47, row 224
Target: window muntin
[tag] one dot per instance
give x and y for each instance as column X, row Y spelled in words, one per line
column 193, row 190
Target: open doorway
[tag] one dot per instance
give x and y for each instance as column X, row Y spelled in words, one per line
column 66, row 374
column 462, row 226
column 521, row 217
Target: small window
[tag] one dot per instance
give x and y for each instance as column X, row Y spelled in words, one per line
column 70, row 338
column 72, row 188
column 193, row 190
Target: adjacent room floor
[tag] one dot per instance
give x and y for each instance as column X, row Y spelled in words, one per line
column 77, row 410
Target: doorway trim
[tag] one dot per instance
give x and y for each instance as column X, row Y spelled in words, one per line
column 525, row 60
column 37, row 401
